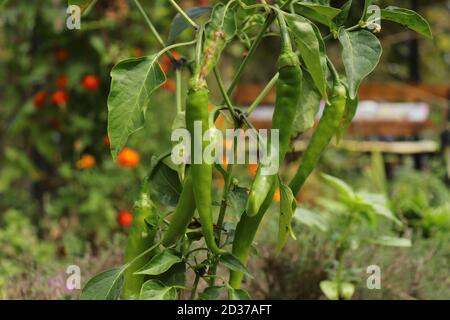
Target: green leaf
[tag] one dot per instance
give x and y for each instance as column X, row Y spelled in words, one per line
column 238, row 200
column 311, row 219
column 83, row 4
column 342, row 17
column 392, row 241
column 346, row 290
column 239, row 294
column 361, row 52
column 222, row 18
column 104, row 286
column 311, row 48
column 343, row 188
column 321, row 13
column 211, row 293
column 133, row 82
column 155, row 290
column 408, row 18
column 308, row 106
column 378, row 204
column 367, row 3
column 179, row 23
column 287, row 208
column 233, row 263
column 174, row 277
column 329, row 289
column 160, row 263
column 165, row 181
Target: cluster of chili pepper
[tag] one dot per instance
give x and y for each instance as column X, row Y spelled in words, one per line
column 197, row 185
column 288, row 88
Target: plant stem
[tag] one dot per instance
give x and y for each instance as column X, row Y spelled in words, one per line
column 195, row 285
column 150, row 24
column 178, row 90
column 262, row 94
column 153, row 29
column 329, row 36
column 227, row 174
column 183, row 14
column 225, row 95
column 269, row 19
column 251, row 52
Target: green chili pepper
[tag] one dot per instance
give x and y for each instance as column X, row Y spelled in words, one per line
column 245, row 233
column 326, row 129
column 183, row 214
column 197, row 110
column 141, row 237
column 288, row 87
column 351, row 107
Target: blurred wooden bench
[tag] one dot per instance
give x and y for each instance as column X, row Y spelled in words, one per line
column 396, row 130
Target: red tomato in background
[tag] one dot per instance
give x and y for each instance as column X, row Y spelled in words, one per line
column 62, row 81
column 60, row 98
column 39, row 99
column 167, row 61
column 125, row 218
column 61, row 54
column 107, row 141
column 90, row 82
column 169, row 85
column 128, row 158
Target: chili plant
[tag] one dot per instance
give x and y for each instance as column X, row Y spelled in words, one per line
column 167, row 239
column 356, row 211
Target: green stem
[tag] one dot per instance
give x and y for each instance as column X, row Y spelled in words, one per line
column 331, row 35
column 194, row 287
column 284, row 32
column 225, row 95
column 333, row 70
column 262, row 94
column 153, row 29
column 178, row 90
column 223, row 210
column 183, row 14
column 270, row 18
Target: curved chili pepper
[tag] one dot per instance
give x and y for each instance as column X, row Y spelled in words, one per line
column 328, row 126
column 197, row 111
column 288, row 88
column 182, row 215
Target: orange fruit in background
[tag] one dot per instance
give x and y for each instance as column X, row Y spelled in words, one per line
column 252, row 168
column 166, row 59
column 61, row 54
column 125, row 218
column 87, row 161
column 276, row 195
column 128, row 158
column 169, row 85
column 107, row 141
column 39, row 99
column 163, row 68
column 90, row 82
column 137, row 52
column 60, row 98
column 62, row 81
